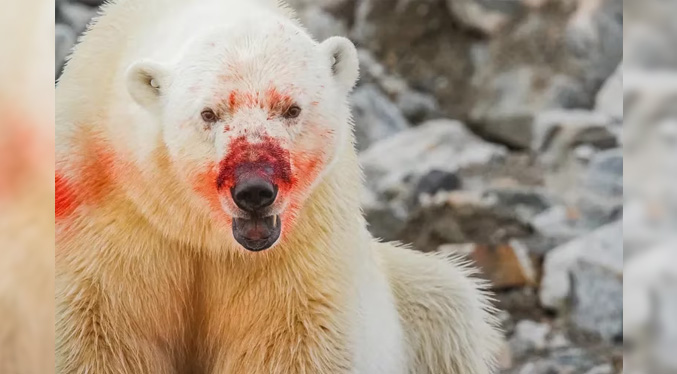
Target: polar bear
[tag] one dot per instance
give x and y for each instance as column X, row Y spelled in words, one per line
column 207, row 209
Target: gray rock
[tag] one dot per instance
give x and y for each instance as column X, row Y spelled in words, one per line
column 601, row 196
column 610, row 97
column 488, row 16
column 417, row 106
column 556, row 226
column 585, row 275
column 461, row 217
column 597, row 300
column 63, row 44
column 392, row 175
column 92, row 2
column 566, row 140
column 439, row 144
column 435, row 181
column 594, row 35
column 77, row 15
column 529, row 337
column 567, row 361
column 508, row 102
column 375, row 116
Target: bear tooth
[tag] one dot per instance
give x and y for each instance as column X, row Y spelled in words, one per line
column 274, row 221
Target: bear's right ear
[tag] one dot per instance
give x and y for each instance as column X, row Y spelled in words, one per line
column 145, row 82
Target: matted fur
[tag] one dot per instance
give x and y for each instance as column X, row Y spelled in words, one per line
column 146, row 284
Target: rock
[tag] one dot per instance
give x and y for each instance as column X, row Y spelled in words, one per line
column 529, row 337
column 601, row 197
column 77, row 15
column 557, row 225
column 462, row 217
column 601, row 369
column 488, row 17
column 435, row 181
column 566, row 361
column 504, row 266
column 566, row 140
column 439, row 144
column 92, row 3
column 64, row 42
column 594, row 35
column 417, row 106
column 508, row 102
column 392, row 175
column 609, row 99
column 375, row 116
column 597, row 300
column 585, row 276
column 417, row 40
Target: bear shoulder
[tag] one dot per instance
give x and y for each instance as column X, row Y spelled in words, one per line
column 445, row 310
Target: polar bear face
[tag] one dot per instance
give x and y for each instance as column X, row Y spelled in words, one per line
column 252, row 117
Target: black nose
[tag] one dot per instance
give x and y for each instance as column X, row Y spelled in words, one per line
column 254, row 194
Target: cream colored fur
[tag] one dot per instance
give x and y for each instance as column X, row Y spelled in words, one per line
column 146, row 284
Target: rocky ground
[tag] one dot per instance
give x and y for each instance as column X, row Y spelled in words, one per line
column 492, row 128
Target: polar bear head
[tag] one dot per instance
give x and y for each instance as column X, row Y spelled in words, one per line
column 253, row 114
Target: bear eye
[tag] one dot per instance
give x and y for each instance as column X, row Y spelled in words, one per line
column 292, row 112
column 208, row 115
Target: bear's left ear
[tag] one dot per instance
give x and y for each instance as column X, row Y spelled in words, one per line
column 145, row 82
column 343, row 58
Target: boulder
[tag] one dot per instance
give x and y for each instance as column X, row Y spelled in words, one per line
column 586, row 277
column 375, row 116
column 434, row 152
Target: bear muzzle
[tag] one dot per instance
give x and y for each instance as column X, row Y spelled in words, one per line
column 255, row 195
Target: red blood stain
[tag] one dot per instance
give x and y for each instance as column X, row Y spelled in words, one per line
column 267, row 158
column 64, row 201
column 273, row 100
column 91, row 183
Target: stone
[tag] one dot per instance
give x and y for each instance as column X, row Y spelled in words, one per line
column 609, row 99
column 505, row 266
column 63, row 44
column 565, row 361
column 375, row 116
column 440, row 147
column 462, row 217
column 488, row 17
column 597, row 300
column 417, row 107
column 508, row 101
column 438, row 144
column 585, row 276
column 77, row 15
column 594, row 36
column 528, row 337
column 601, row 197
column 566, row 140
column 435, row 181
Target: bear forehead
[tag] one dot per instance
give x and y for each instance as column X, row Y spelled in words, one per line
column 277, row 55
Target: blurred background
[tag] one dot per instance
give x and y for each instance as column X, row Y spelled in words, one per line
column 26, row 187
column 536, row 137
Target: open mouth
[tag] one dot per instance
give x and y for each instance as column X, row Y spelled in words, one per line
column 257, row 233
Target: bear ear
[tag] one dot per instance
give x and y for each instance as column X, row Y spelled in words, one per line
column 145, row 82
column 343, row 58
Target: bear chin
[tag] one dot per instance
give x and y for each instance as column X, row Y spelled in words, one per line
column 257, row 233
